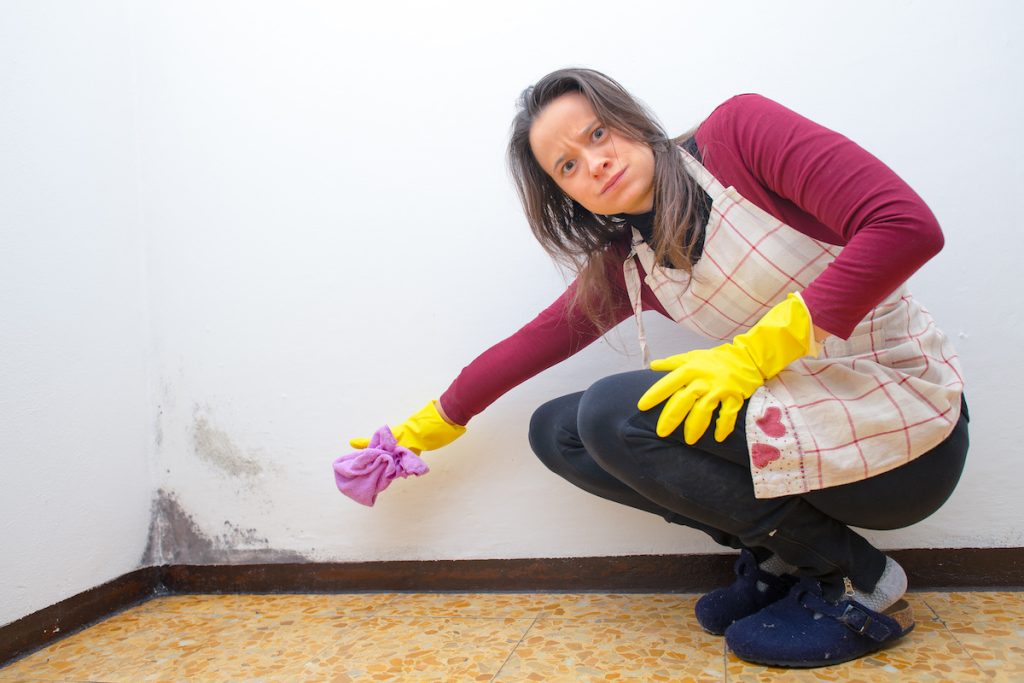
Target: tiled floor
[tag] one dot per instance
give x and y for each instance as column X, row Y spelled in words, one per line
column 495, row 637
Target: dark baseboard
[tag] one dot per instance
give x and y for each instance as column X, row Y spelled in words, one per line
column 67, row 616
column 962, row 568
column 927, row 569
column 637, row 574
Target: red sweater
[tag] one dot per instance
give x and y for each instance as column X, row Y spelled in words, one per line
column 811, row 178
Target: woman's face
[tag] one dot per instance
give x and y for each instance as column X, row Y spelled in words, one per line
column 600, row 168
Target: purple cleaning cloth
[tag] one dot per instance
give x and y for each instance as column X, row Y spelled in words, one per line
column 364, row 474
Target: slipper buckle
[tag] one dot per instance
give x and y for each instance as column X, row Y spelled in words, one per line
column 860, row 621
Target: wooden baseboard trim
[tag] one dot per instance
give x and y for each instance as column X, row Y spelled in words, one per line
column 962, row 568
column 637, row 574
column 67, row 616
column 927, row 569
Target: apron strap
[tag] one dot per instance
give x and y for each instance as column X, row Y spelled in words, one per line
column 632, row 275
column 629, row 267
column 702, row 175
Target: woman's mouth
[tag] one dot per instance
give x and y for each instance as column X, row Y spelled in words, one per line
column 614, row 181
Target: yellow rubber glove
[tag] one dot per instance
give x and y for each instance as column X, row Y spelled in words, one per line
column 424, row 431
column 727, row 375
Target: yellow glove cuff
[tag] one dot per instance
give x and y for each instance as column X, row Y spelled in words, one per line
column 424, row 431
column 784, row 334
column 427, row 430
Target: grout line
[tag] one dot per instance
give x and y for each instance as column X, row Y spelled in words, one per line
column 725, row 661
column 513, row 651
column 955, row 639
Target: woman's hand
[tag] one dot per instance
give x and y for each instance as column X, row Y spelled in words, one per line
column 427, row 430
column 702, row 380
column 698, row 382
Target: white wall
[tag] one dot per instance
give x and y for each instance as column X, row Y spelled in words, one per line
column 75, row 407
column 334, row 236
column 331, row 236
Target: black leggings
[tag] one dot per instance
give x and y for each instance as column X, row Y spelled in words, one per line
column 600, row 442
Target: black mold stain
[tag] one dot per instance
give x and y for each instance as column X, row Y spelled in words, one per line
column 238, row 536
column 175, row 538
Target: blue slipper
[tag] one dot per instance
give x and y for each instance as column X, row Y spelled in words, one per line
column 790, row 632
column 717, row 610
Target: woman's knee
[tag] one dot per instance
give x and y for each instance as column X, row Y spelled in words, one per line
column 603, row 408
column 606, row 407
column 552, row 427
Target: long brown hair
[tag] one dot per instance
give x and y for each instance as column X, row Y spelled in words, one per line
column 574, row 236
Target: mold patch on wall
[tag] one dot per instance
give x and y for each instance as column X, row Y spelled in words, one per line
column 216, row 447
column 158, row 427
column 176, row 538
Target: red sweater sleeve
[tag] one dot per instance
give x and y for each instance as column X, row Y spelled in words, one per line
column 820, row 182
column 557, row 333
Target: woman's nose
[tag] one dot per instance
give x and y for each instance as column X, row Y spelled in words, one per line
column 599, row 163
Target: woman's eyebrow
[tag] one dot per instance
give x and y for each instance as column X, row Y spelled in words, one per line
column 582, row 133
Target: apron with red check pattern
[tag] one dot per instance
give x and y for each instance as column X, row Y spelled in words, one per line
column 864, row 406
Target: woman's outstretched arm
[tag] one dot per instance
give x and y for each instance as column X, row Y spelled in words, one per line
column 558, row 332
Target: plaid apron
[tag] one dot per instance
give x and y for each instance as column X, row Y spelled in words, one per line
column 864, row 406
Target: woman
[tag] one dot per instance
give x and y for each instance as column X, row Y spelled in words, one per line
column 835, row 399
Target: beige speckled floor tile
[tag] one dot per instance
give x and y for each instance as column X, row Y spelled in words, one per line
column 276, row 605
column 419, row 648
column 998, row 614
column 268, row 649
column 1000, row 658
column 653, row 648
column 492, row 605
column 586, row 606
column 469, row 637
column 613, row 607
column 107, row 650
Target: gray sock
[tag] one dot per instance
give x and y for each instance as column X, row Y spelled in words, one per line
column 890, row 587
column 774, row 565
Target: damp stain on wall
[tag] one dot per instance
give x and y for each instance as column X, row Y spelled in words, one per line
column 176, row 538
column 158, row 427
column 216, row 447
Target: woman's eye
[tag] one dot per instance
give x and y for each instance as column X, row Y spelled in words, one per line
column 598, row 134
column 567, row 167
